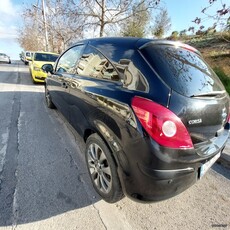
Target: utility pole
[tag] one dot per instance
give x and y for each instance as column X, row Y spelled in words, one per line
column 45, row 25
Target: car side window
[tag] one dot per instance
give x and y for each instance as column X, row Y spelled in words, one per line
column 68, row 61
column 93, row 64
column 130, row 75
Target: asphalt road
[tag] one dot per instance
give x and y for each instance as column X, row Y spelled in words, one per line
column 44, row 183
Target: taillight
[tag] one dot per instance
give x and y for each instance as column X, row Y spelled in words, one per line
column 161, row 124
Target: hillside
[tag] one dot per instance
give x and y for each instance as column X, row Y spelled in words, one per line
column 216, row 51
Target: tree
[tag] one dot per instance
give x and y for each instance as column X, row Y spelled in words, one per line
column 30, row 37
column 162, row 23
column 102, row 14
column 135, row 25
column 228, row 24
column 220, row 17
column 183, row 33
column 174, row 35
column 63, row 27
column 69, row 20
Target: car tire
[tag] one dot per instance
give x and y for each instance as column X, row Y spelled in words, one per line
column 49, row 102
column 102, row 169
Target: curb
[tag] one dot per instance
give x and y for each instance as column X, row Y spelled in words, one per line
column 225, row 156
column 224, row 160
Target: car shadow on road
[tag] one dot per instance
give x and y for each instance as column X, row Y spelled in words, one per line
column 221, row 170
column 44, row 173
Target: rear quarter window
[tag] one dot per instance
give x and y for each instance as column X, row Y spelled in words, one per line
column 181, row 69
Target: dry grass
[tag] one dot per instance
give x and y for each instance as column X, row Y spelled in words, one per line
column 216, row 51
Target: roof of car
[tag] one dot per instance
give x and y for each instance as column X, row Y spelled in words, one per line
column 132, row 42
column 45, row 52
column 128, row 41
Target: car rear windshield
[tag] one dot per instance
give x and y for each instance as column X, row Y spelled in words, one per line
column 182, row 69
column 45, row 57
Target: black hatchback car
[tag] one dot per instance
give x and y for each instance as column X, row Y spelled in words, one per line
column 153, row 114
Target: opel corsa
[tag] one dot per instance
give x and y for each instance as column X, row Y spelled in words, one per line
column 153, row 114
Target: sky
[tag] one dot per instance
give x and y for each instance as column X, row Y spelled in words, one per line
column 181, row 12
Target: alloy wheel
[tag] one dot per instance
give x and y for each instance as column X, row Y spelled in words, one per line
column 99, row 168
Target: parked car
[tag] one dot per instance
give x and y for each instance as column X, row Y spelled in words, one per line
column 5, row 58
column 153, row 114
column 38, row 60
column 22, row 56
column 28, row 57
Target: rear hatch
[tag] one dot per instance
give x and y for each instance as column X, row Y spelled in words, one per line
column 197, row 97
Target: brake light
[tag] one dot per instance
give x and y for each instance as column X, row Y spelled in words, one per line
column 161, row 124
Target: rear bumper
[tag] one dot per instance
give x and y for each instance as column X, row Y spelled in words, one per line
column 161, row 173
column 5, row 61
column 166, row 174
column 214, row 145
column 156, row 185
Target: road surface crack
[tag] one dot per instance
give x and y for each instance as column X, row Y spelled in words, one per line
column 100, row 216
column 18, row 118
column 9, row 173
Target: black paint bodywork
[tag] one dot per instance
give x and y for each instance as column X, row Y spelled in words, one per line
column 147, row 171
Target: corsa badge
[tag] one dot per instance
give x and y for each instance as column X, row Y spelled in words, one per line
column 196, row 121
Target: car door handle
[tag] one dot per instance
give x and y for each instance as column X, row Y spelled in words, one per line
column 64, row 85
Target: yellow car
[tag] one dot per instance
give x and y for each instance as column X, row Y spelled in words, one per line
column 38, row 60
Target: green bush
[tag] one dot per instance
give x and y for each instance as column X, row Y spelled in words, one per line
column 223, row 77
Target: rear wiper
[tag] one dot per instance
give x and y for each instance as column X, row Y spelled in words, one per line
column 210, row 94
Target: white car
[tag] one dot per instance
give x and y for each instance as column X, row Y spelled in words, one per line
column 4, row 58
column 28, row 57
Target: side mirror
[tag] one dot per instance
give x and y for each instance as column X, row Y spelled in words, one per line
column 48, row 68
